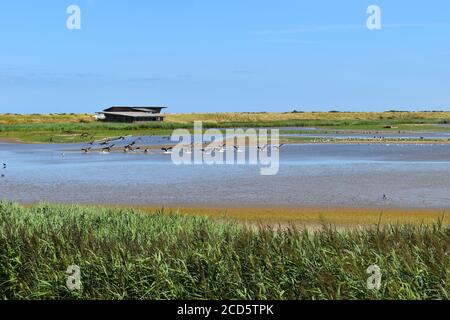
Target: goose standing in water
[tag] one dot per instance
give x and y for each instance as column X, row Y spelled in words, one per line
column 107, row 149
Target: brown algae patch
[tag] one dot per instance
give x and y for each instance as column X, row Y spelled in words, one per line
column 315, row 215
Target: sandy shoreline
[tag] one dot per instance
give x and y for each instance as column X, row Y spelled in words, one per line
column 13, row 141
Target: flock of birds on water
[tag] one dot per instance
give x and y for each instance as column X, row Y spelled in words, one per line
column 107, row 145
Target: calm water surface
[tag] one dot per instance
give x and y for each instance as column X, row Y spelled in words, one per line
column 310, row 175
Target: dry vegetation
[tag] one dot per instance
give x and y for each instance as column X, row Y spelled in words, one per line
column 234, row 117
column 311, row 217
column 45, row 118
column 332, row 116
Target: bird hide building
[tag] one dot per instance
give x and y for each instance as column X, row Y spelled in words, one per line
column 131, row 114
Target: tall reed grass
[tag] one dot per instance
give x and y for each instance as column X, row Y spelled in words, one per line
column 127, row 254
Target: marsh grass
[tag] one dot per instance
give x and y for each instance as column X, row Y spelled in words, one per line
column 127, row 254
column 78, row 128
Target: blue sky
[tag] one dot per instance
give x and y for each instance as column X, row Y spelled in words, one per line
column 234, row 55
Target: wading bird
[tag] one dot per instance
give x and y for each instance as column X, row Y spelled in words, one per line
column 107, row 149
column 129, row 147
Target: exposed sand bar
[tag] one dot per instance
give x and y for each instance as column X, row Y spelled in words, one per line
column 311, row 216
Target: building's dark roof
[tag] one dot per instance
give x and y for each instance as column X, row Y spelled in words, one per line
column 133, row 114
column 133, row 109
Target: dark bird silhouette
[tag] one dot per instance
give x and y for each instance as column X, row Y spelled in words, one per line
column 86, row 150
column 167, row 150
column 262, row 148
column 105, row 142
column 117, row 139
column 107, row 149
column 384, row 197
column 237, row 148
column 129, row 146
column 4, row 165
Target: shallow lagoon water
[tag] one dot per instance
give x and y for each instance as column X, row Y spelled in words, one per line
column 403, row 136
column 331, row 175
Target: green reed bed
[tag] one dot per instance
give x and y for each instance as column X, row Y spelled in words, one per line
column 86, row 131
column 126, row 254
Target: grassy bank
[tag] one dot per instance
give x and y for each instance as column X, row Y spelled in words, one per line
column 240, row 117
column 80, row 128
column 126, row 254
